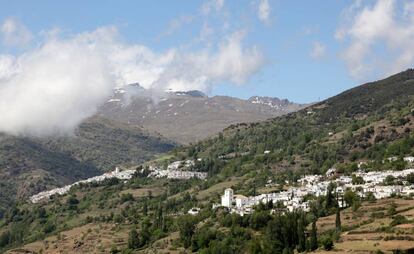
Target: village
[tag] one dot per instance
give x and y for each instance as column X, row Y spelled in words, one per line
column 175, row 170
column 317, row 185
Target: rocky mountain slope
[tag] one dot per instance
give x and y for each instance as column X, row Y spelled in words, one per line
column 190, row 116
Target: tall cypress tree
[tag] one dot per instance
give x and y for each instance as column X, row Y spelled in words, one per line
column 338, row 220
column 145, row 208
column 330, row 197
column 159, row 217
column 314, row 237
column 301, row 234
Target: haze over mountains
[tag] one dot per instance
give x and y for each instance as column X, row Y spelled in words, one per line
column 189, row 116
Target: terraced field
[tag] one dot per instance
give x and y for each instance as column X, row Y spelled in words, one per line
column 370, row 228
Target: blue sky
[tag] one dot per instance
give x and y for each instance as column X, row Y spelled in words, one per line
column 305, row 50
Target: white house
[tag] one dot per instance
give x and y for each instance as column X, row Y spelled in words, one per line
column 194, row 211
column 241, row 200
column 409, row 159
column 330, row 172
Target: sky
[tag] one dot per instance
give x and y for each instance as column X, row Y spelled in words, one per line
column 78, row 51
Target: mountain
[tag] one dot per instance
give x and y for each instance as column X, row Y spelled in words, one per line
column 29, row 165
column 190, row 116
column 357, row 123
column 368, row 124
column 125, row 131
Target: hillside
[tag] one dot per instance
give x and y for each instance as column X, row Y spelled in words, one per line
column 369, row 124
column 188, row 117
column 29, row 165
column 376, row 225
column 356, row 124
column 370, row 228
column 368, row 98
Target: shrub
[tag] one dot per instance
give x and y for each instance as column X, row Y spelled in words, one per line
column 398, row 219
column 327, row 243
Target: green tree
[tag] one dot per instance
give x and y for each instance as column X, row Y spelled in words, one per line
column 255, row 247
column 392, row 209
column 114, row 249
column 186, row 226
column 72, row 201
column 314, row 237
column 357, row 179
column 338, row 220
column 389, row 180
column 370, row 197
column 327, row 243
column 356, row 205
column 330, row 197
column 133, row 239
column 350, row 197
column 398, row 219
column 4, row 239
column 410, row 178
column 145, row 208
column 145, row 232
column 159, row 220
column 301, row 233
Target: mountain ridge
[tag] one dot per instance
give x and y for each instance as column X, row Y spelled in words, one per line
column 182, row 116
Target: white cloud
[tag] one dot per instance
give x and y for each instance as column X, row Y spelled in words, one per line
column 176, row 24
column 14, row 33
column 263, row 11
column 205, row 33
column 379, row 38
column 200, row 70
column 52, row 88
column 318, row 50
column 209, row 5
column 219, row 4
column 7, row 66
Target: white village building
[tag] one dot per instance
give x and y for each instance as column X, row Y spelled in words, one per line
column 227, row 198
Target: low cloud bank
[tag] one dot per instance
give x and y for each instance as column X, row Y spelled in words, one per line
column 52, row 88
